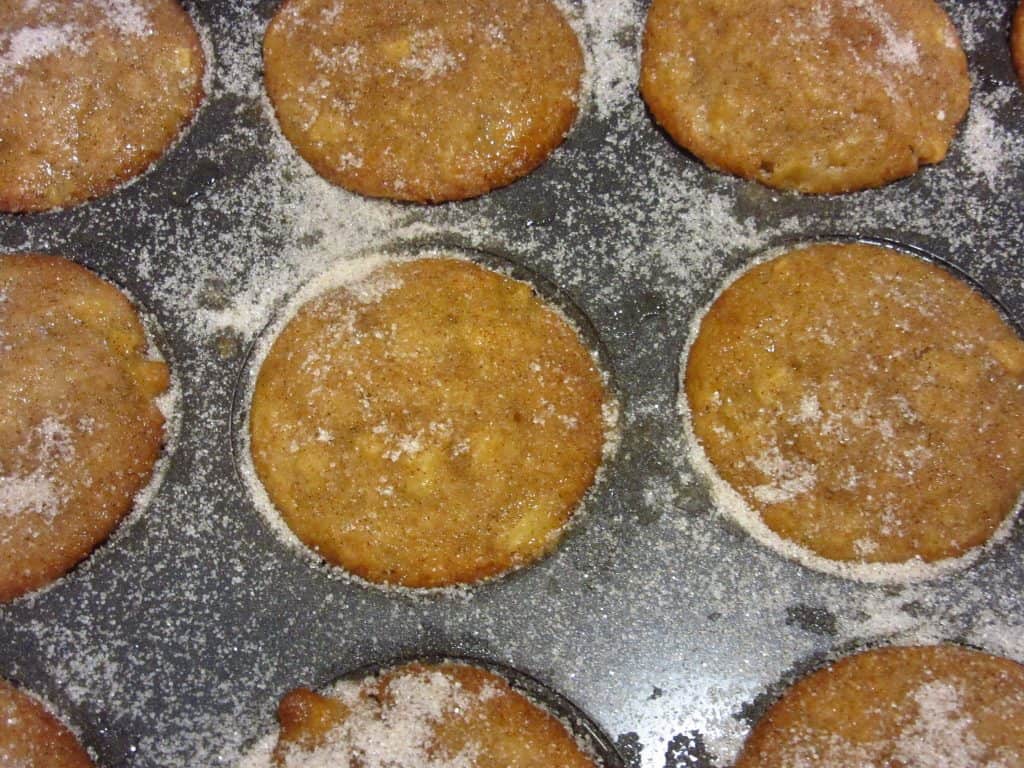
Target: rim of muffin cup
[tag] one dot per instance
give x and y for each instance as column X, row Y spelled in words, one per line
column 585, row 730
column 723, row 498
column 409, row 249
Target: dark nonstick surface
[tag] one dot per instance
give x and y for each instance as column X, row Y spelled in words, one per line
column 663, row 621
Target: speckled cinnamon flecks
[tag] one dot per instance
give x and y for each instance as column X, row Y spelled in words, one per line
column 423, row 101
column 868, row 405
column 80, row 431
column 31, row 737
column 816, row 96
column 447, row 715
column 924, row 706
column 91, row 93
column 433, row 424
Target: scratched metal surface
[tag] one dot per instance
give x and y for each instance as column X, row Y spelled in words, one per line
column 665, row 623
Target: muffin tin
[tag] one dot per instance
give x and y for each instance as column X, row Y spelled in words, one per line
column 665, row 623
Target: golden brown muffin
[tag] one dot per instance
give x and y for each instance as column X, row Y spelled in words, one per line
column 30, row 737
column 869, row 405
column 446, row 715
column 1017, row 41
column 423, row 100
column 927, row 707
column 820, row 97
column 91, row 93
column 433, row 424
column 79, row 429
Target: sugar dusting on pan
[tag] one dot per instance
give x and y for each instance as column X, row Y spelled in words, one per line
column 656, row 616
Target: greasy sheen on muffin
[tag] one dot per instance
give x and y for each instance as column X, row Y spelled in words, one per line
column 422, row 100
column 926, row 706
column 92, row 92
column 808, row 95
column 433, row 423
column 80, row 431
column 448, row 715
column 867, row 404
column 31, row 737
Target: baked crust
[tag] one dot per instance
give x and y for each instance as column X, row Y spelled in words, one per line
column 79, row 429
column 925, row 705
column 869, row 405
column 30, row 737
column 422, row 101
column 91, row 94
column 805, row 95
column 433, row 424
column 449, row 713
column 1017, row 41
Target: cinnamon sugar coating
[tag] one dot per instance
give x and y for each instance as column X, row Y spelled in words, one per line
column 433, row 424
column 79, row 428
column 30, row 737
column 820, row 97
column 447, row 715
column 867, row 404
column 92, row 92
column 925, row 706
column 422, row 101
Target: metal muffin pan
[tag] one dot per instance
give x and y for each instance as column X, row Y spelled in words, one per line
column 657, row 617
